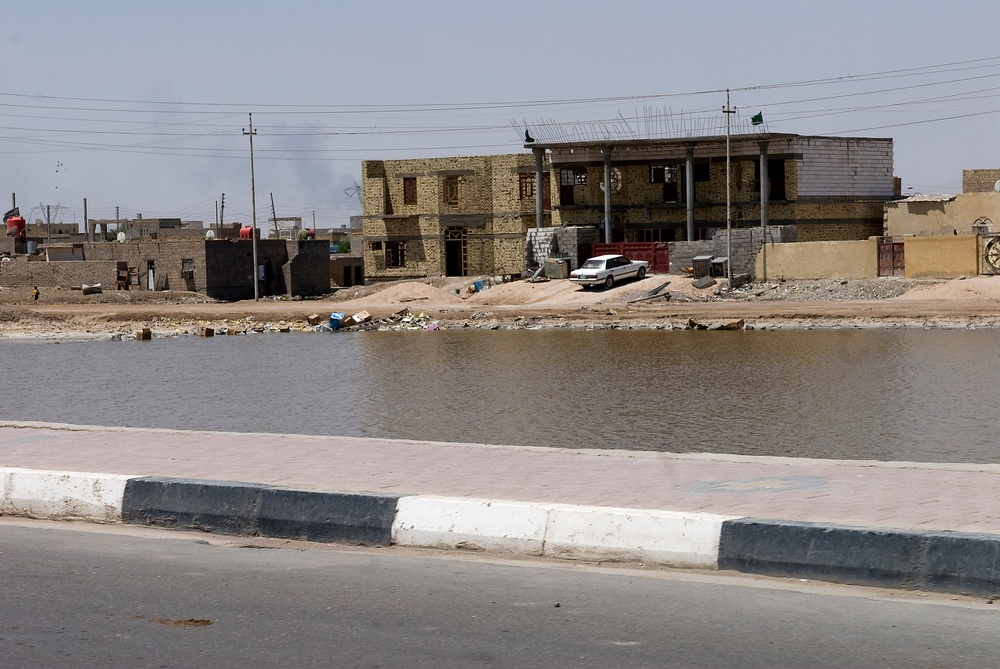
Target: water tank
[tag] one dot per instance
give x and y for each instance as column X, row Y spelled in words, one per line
column 15, row 226
column 32, row 248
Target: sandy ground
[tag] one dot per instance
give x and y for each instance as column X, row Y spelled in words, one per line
column 660, row 301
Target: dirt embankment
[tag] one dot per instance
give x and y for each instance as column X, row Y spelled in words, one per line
column 663, row 301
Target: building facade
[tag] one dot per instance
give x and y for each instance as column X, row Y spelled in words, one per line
column 462, row 216
column 470, row 216
column 830, row 188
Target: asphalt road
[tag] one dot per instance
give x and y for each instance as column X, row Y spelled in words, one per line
column 90, row 596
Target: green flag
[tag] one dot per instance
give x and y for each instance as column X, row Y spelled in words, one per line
column 758, row 118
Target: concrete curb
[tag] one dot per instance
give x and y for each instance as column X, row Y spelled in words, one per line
column 62, row 495
column 932, row 561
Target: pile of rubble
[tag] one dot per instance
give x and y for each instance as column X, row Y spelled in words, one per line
column 403, row 319
column 836, row 290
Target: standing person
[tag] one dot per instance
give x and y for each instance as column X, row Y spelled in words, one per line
column 34, row 294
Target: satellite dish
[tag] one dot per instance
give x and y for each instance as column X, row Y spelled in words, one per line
column 39, row 221
column 210, row 234
column 121, row 236
column 996, row 186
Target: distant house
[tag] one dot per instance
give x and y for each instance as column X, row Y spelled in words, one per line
column 471, row 215
column 219, row 268
column 446, row 216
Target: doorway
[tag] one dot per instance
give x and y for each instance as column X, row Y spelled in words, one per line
column 150, row 275
column 456, row 261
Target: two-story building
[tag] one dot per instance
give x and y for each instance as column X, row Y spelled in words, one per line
column 470, row 215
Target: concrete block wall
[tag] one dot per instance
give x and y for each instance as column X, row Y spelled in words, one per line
column 851, row 167
column 308, row 268
column 26, row 271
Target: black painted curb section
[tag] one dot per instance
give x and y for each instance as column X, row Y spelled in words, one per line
column 247, row 509
column 933, row 561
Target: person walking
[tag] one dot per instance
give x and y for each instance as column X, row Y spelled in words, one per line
column 34, row 294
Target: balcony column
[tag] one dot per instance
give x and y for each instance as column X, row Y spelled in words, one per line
column 763, row 206
column 689, row 190
column 607, row 195
column 539, row 178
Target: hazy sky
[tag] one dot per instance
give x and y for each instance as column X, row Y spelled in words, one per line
column 142, row 105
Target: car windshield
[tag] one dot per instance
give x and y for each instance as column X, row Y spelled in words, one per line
column 593, row 263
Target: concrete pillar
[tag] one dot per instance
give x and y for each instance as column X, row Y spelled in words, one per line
column 607, row 195
column 539, row 185
column 689, row 191
column 763, row 206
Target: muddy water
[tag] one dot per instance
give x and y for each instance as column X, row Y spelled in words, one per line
column 926, row 395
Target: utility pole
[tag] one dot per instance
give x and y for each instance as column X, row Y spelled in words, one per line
column 274, row 216
column 253, row 204
column 727, row 110
column 222, row 215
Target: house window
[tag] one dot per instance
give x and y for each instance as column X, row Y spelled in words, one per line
column 701, row 172
column 775, row 178
column 187, row 268
column 377, row 246
column 661, row 174
column 409, row 190
column 526, row 186
column 654, row 235
column 395, row 254
column 567, row 182
column 776, row 175
column 450, row 191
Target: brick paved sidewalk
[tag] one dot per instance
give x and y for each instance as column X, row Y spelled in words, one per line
column 870, row 494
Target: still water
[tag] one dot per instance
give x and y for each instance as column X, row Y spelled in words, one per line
column 926, row 395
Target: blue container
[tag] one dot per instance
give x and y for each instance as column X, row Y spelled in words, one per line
column 336, row 320
column 479, row 286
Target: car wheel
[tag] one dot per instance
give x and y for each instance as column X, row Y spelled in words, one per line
column 641, row 274
column 609, row 282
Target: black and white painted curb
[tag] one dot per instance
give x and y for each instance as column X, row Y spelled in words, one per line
column 931, row 561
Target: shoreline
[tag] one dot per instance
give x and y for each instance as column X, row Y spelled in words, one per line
column 655, row 303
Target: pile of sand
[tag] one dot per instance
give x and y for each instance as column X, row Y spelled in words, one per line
column 974, row 288
column 405, row 293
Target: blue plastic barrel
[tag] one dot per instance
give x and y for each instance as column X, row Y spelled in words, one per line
column 336, row 320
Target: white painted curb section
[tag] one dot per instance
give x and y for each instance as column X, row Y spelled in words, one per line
column 671, row 538
column 457, row 522
column 62, row 495
column 560, row 531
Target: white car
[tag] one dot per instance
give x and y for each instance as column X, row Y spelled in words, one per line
column 608, row 270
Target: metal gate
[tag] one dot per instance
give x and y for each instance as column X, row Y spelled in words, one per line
column 657, row 254
column 891, row 261
column 989, row 254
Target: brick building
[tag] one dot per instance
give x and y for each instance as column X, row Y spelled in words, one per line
column 218, row 268
column 461, row 216
column 830, row 188
column 471, row 215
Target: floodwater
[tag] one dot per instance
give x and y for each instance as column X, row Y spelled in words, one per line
column 922, row 395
